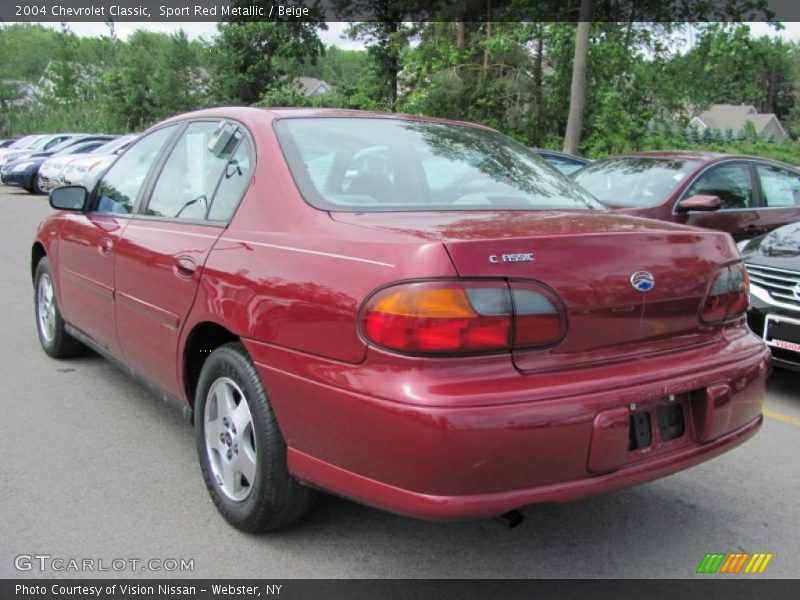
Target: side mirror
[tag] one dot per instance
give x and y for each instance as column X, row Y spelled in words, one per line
column 700, row 203
column 70, row 197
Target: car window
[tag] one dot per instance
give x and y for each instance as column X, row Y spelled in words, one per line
column 55, row 142
column 112, row 146
column 730, row 182
column 78, row 148
column 779, row 186
column 369, row 162
column 439, row 171
column 25, row 142
column 381, row 164
column 186, row 184
column 634, row 181
column 235, row 179
column 123, row 182
column 563, row 165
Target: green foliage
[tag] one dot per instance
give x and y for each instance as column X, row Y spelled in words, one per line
column 510, row 74
column 736, row 68
column 253, row 57
column 43, row 118
column 788, row 153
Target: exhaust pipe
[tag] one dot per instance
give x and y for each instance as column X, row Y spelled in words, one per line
column 511, row 519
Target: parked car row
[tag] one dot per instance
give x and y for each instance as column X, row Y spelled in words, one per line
column 39, row 163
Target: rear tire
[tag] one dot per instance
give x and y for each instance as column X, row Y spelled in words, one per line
column 53, row 337
column 241, row 449
column 37, row 188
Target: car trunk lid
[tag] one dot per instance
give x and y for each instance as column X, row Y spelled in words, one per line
column 589, row 260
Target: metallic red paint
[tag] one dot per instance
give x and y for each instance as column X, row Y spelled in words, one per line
column 444, row 437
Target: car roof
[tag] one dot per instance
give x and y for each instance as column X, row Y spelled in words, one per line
column 700, row 156
column 566, row 155
column 249, row 112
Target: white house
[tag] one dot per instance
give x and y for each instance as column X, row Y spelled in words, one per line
column 311, row 86
column 734, row 117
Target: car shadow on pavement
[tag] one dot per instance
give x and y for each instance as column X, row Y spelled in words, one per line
column 603, row 534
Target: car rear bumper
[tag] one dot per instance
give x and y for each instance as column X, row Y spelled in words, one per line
column 433, row 459
column 474, row 506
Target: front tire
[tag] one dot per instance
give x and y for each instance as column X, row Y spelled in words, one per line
column 241, row 449
column 37, row 188
column 53, row 337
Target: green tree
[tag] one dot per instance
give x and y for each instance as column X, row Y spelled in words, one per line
column 253, row 57
column 180, row 84
column 386, row 36
column 64, row 71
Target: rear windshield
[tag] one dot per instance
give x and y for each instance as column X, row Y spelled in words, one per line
column 388, row 164
column 634, row 181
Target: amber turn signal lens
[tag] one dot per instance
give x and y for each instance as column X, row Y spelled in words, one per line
column 423, row 302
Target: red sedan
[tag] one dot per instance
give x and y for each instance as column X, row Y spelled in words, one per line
column 416, row 314
column 743, row 195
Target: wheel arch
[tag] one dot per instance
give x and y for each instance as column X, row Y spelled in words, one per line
column 201, row 341
column 37, row 254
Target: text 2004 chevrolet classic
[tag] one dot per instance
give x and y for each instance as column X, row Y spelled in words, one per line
column 416, row 314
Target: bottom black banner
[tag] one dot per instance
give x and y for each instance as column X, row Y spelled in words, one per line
column 389, row 589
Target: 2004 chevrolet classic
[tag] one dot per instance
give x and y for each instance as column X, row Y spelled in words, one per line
column 417, row 314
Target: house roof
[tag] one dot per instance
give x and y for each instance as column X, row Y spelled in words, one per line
column 308, row 85
column 734, row 117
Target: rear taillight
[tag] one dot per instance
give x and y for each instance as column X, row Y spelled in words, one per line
column 537, row 319
column 727, row 299
column 460, row 317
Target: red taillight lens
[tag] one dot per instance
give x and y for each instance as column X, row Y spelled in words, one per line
column 728, row 297
column 537, row 319
column 454, row 317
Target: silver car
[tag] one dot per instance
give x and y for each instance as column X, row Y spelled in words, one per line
column 86, row 169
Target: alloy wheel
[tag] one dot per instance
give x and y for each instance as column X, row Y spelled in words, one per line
column 46, row 308
column 230, row 439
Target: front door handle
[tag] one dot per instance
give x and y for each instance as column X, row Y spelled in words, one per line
column 105, row 246
column 185, row 267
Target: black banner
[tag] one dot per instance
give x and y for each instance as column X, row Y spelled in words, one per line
column 395, row 10
column 304, row 589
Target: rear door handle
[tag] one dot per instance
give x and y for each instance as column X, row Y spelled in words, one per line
column 105, row 246
column 185, row 267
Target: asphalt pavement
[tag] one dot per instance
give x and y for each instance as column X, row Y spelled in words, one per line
column 96, row 468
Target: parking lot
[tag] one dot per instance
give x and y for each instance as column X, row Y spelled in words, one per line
column 97, row 467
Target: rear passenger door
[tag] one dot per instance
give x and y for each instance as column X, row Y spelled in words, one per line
column 732, row 182
column 780, row 196
column 161, row 254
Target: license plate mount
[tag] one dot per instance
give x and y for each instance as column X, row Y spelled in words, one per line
column 782, row 332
